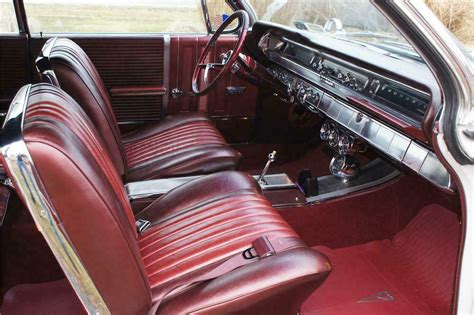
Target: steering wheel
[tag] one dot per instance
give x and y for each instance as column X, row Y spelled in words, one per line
column 228, row 59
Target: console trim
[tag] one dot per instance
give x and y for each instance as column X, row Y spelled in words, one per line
column 157, row 187
column 372, row 174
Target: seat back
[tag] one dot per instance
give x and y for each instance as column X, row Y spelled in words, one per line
column 62, row 62
column 88, row 195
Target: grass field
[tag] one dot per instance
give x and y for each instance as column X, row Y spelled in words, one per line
column 50, row 18
column 457, row 15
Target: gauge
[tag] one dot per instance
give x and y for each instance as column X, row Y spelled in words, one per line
column 333, row 137
column 344, row 145
column 325, row 130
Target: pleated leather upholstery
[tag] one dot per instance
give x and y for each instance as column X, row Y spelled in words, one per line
column 208, row 226
column 179, row 145
column 194, row 227
column 88, row 195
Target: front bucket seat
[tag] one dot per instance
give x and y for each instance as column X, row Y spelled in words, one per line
column 178, row 145
column 215, row 244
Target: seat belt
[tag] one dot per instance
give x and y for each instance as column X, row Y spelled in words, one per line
column 261, row 248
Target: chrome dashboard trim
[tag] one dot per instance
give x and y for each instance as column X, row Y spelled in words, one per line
column 28, row 185
column 386, row 139
column 348, row 64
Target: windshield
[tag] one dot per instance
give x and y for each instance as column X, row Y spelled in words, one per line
column 357, row 21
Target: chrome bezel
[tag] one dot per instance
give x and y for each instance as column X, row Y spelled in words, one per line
column 28, row 185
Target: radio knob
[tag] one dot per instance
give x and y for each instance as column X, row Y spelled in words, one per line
column 302, row 94
column 289, row 88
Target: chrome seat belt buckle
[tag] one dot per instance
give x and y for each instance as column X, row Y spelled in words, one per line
column 263, row 247
column 142, row 225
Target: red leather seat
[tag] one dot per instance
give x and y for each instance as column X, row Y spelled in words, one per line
column 194, row 228
column 179, row 145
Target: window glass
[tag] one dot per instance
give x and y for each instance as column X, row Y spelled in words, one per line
column 357, row 21
column 115, row 16
column 8, row 23
column 219, row 11
column 458, row 16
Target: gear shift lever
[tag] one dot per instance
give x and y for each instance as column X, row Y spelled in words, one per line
column 271, row 158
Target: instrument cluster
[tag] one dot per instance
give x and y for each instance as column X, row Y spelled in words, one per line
column 297, row 89
column 338, row 138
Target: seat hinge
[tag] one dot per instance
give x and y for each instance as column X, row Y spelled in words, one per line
column 7, row 182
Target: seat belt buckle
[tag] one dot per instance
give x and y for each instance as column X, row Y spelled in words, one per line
column 142, row 225
column 261, row 248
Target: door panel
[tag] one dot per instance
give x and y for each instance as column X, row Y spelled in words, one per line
column 185, row 51
column 132, row 69
column 233, row 114
column 13, row 68
column 139, row 72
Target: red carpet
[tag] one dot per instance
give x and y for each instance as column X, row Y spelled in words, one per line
column 411, row 274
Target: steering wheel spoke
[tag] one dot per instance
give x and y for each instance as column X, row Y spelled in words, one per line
column 211, row 65
column 227, row 59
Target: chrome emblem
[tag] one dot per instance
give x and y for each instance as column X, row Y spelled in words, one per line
column 382, row 296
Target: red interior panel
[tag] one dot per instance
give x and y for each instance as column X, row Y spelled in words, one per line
column 13, row 68
column 185, row 50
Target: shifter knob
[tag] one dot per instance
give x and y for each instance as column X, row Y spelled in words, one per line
column 271, row 159
column 272, row 156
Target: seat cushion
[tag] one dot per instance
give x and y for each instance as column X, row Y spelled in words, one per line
column 206, row 221
column 411, row 274
column 183, row 144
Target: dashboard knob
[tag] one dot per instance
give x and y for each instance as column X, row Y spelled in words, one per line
column 289, row 88
column 302, row 95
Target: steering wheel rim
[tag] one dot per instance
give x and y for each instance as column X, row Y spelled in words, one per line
column 225, row 67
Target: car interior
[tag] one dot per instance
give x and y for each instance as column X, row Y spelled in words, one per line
column 266, row 170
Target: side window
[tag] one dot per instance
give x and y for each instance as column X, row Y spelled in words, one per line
column 115, row 16
column 219, row 11
column 8, row 23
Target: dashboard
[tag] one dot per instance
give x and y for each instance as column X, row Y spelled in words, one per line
column 389, row 103
column 410, row 103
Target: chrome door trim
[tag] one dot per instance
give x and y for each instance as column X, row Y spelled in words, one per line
column 28, row 185
column 166, row 73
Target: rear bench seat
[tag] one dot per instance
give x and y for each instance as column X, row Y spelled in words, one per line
column 194, row 228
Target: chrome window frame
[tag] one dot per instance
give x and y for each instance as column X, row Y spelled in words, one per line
column 28, row 184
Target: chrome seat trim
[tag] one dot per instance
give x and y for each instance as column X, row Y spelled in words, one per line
column 28, row 185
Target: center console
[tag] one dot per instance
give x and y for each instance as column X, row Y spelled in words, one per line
column 279, row 188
